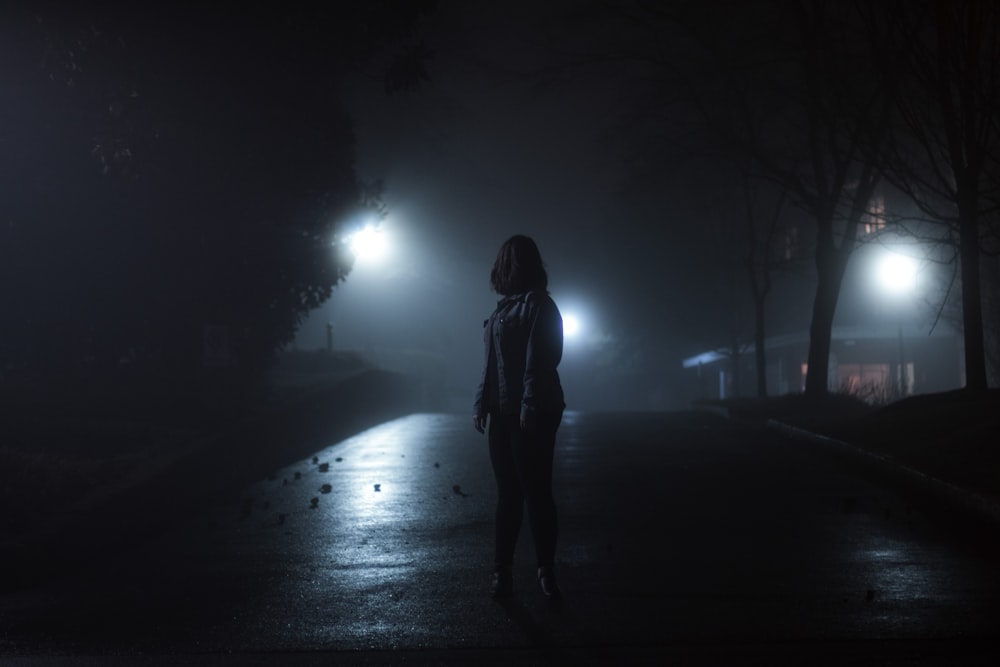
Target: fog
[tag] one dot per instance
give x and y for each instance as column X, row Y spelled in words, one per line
column 200, row 380
column 153, row 181
column 478, row 155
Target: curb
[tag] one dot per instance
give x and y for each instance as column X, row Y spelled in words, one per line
column 718, row 410
column 977, row 505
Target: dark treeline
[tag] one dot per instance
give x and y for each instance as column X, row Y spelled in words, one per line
column 174, row 187
column 852, row 115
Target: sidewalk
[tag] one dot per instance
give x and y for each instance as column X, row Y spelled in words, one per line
column 976, row 504
column 169, row 487
column 171, row 482
column 749, row 575
column 943, row 446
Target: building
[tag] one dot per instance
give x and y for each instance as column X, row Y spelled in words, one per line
column 876, row 363
column 888, row 340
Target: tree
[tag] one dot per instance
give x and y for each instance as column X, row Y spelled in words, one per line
column 760, row 261
column 945, row 154
column 174, row 171
column 788, row 85
column 816, row 126
column 743, row 254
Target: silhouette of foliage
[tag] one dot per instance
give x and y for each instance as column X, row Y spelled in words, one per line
column 170, row 173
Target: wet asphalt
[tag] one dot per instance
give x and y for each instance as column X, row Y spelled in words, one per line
column 682, row 537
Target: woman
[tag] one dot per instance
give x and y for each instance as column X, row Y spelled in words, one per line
column 521, row 395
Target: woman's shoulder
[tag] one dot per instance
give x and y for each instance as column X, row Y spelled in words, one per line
column 539, row 298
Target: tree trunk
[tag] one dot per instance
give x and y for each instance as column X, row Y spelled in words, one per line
column 820, row 333
column 972, row 305
column 831, row 263
column 760, row 353
column 736, row 377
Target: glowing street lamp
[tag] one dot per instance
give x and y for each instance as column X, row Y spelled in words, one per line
column 897, row 273
column 368, row 244
column 897, row 276
column 571, row 325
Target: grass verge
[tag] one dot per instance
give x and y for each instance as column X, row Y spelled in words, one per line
column 952, row 436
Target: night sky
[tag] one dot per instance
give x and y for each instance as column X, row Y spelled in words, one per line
column 502, row 141
column 571, row 122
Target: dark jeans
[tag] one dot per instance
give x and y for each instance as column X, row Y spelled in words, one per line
column 522, row 465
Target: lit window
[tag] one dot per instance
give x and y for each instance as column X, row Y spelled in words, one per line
column 874, row 219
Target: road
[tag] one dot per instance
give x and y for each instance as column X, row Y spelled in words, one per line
column 682, row 536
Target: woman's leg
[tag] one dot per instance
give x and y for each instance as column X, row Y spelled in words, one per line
column 504, row 431
column 533, row 454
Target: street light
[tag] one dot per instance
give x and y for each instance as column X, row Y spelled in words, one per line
column 571, row 325
column 369, row 243
column 897, row 275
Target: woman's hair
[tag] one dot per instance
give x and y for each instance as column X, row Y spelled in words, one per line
column 518, row 267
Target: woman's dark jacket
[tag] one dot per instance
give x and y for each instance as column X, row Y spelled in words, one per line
column 524, row 340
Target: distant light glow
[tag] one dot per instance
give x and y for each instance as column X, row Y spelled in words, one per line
column 369, row 243
column 897, row 274
column 703, row 358
column 571, row 325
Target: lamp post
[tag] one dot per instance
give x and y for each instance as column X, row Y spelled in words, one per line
column 897, row 276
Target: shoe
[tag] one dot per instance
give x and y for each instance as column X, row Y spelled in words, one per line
column 502, row 583
column 547, row 582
